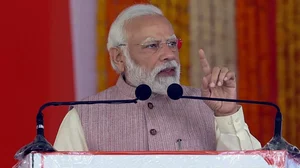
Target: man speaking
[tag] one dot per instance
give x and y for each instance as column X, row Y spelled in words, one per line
column 144, row 49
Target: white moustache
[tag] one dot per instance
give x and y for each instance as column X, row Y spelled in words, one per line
column 171, row 64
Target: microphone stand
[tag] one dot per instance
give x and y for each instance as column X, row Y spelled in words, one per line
column 40, row 144
column 277, row 142
column 278, row 118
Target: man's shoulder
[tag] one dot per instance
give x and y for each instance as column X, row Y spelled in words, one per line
column 103, row 95
column 106, row 94
column 191, row 91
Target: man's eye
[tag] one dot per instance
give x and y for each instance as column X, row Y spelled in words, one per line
column 172, row 44
column 154, row 45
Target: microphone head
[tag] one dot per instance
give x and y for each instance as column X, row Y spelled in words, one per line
column 175, row 91
column 143, row 92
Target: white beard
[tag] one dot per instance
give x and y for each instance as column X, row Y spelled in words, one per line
column 137, row 75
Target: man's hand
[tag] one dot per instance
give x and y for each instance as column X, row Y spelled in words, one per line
column 218, row 83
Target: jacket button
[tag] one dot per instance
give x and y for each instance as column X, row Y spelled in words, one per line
column 153, row 132
column 150, row 106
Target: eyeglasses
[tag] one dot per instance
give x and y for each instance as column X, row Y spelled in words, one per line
column 154, row 46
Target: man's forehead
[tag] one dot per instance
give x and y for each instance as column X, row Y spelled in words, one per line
column 150, row 27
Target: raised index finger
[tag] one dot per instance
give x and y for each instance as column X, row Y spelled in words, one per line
column 204, row 63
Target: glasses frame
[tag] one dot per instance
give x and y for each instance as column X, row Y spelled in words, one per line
column 179, row 44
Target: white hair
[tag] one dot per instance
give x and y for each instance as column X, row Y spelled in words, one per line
column 117, row 34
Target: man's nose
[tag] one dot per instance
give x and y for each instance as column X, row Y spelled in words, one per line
column 167, row 53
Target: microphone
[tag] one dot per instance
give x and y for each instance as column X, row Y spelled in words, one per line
column 40, row 144
column 175, row 92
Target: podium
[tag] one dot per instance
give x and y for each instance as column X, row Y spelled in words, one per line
column 180, row 159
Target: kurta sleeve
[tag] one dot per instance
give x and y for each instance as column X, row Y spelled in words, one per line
column 232, row 133
column 70, row 136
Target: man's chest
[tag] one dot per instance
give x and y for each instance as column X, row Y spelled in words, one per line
column 151, row 125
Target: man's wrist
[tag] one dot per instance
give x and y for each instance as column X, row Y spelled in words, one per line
column 222, row 114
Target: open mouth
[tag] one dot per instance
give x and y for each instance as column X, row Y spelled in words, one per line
column 168, row 72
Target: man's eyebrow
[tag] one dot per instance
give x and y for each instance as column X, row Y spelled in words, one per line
column 148, row 39
column 172, row 37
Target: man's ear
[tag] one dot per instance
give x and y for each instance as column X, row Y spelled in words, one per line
column 117, row 58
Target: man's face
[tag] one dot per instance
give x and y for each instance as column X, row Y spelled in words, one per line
column 152, row 57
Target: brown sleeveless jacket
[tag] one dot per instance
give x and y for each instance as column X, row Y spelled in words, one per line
column 157, row 124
